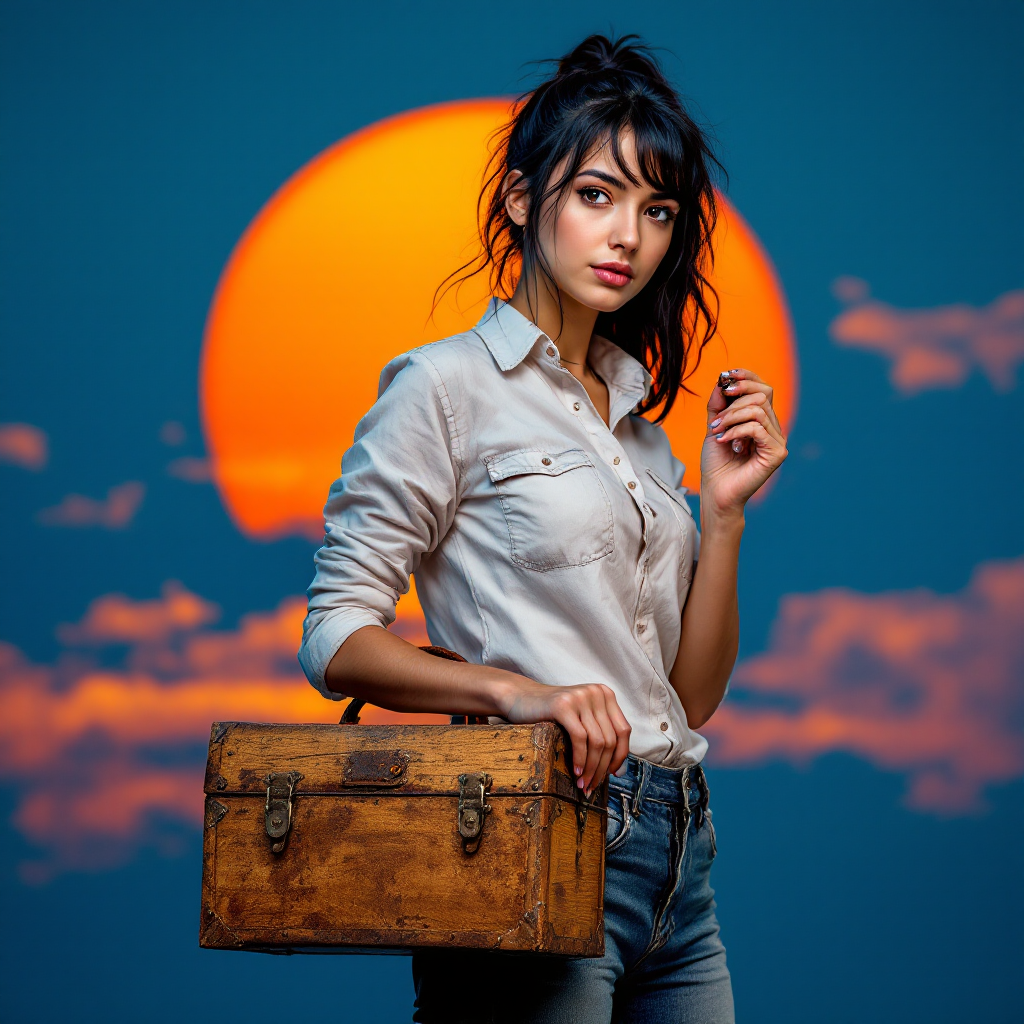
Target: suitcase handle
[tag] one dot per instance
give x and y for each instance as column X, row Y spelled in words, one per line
column 350, row 716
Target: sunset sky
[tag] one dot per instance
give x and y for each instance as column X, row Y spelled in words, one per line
column 867, row 769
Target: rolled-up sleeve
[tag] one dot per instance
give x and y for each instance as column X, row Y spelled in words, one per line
column 394, row 501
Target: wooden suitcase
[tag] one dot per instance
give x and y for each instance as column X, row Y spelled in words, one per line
column 388, row 838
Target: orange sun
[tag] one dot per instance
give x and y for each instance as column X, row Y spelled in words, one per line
column 336, row 275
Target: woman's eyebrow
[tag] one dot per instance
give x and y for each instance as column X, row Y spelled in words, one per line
column 603, row 176
column 619, row 184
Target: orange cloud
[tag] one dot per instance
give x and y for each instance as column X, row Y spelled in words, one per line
column 110, row 759
column 911, row 681
column 116, row 619
column 934, row 348
column 85, row 745
column 114, row 513
column 23, row 445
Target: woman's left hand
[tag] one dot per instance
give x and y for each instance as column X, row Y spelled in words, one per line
column 730, row 477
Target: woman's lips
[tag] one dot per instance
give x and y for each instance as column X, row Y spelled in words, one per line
column 617, row 275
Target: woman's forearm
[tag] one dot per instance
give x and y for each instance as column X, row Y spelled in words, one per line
column 382, row 668
column 711, row 623
column 378, row 666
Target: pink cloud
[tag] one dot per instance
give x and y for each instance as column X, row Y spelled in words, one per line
column 934, row 348
column 173, row 433
column 911, row 681
column 189, row 469
column 23, row 445
column 79, row 740
column 115, row 512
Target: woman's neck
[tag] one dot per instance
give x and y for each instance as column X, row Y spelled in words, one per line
column 570, row 327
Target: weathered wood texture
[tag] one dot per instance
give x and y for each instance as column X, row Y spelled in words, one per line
column 374, row 860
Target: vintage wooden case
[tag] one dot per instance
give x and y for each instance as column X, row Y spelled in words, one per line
column 388, row 838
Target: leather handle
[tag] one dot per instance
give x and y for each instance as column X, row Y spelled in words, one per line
column 350, row 716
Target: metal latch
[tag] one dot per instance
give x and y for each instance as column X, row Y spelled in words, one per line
column 473, row 807
column 280, row 791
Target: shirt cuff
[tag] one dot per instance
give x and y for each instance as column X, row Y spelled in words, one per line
column 321, row 644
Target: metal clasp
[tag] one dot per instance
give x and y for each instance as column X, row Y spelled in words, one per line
column 278, row 813
column 473, row 808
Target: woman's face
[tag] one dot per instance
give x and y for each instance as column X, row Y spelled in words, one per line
column 604, row 241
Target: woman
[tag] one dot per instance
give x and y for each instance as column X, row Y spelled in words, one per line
column 509, row 468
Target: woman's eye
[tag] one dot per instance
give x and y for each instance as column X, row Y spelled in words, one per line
column 662, row 214
column 593, row 195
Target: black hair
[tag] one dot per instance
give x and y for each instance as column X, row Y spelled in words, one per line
column 599, row 90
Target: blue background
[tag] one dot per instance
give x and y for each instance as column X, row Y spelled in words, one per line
column 883, row 140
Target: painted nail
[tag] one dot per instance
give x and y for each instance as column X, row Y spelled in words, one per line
column 731, row 387
column 737, row 446
column 577, row 769
column 580, row 783
column 715, row 424
column 734, row 371
column 718, row 437
column 587, row 793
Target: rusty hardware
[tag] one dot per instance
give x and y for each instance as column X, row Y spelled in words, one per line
column 375, row 768
column 473, row 808
column 280, row 792
column 215, row 811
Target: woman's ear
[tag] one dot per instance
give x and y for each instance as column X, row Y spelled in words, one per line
column 517, row 204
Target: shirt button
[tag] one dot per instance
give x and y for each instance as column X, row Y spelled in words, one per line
column 550, row 350
column 546, row 461
column 576, row 406
column 664, row 726
column 616, row 460
column 631, row 485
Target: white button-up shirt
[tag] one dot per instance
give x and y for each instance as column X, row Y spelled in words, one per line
column 543, row 541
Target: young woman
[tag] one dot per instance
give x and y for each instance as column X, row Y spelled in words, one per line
column 512, row 470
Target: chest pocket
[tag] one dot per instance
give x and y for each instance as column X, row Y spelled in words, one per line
column 556, row 508
column 684, row 522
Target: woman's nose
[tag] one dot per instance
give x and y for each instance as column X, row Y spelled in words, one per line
column 625, row 233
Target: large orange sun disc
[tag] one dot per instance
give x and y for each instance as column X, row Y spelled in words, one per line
column 336, row 275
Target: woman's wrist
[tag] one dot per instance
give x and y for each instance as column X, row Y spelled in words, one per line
column 727, row 523
column 504, row 688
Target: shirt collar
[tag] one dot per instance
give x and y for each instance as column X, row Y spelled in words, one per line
column 509, row 337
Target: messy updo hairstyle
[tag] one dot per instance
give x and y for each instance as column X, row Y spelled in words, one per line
column 598, row 92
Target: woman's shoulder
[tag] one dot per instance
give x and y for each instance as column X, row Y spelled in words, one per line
column 445, row 364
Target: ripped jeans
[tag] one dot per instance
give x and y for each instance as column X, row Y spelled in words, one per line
column 663, row 961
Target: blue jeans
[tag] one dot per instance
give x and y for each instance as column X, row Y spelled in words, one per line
column 664, row 962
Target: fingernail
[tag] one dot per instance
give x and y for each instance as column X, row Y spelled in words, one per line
column 716, row 422
column 580, row 783
column 731, row 387
column 718, row 437
column 577, row 769
column 737, row 446
column 734, row 371
column 587, row 793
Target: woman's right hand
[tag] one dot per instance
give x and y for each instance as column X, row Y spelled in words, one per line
column 379, row 666
column 591, row 716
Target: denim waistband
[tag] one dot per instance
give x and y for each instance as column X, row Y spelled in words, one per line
column 644, row 781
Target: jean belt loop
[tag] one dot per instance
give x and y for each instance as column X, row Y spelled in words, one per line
column 641, row 788
column 684, row 782
column 702, row 788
